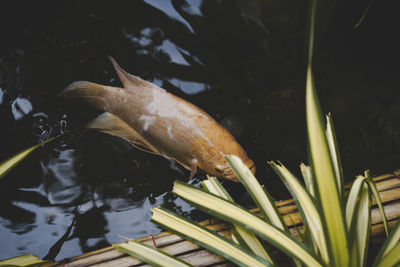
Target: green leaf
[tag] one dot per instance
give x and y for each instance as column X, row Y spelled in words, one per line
column 206, row 238
column 353, row 200
column 258, row 194
column 392, row 258
column 235, row 214
column 334, row 150
column 363, row 15
column 150, row 255
column 378, row 200
column 10, row 163
column 305, row 204
column 308, row 179
column 358, row 219
column 327, row 191
column 23, row 261
column 247, row 237
column 391, row 242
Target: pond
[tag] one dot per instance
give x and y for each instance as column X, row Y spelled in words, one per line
column 243, row 62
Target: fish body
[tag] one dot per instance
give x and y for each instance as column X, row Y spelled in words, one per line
column 159, row 122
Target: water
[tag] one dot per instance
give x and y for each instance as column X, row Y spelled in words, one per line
column 235, row 59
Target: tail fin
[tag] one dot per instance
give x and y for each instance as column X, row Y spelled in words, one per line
column 88, row 92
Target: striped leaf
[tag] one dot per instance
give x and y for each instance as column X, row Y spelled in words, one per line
column 206, row 238
column 248, row 238
column 260, row 196
column 150, row 255
column 327, row 191
column 378, row 200
column 235, row 214
column 392, row 258
column 23, row 261
column 13, row 161
column 390, row 250
column 334, row 151
column 307, row 208
column 308, row 179
column 358, row 220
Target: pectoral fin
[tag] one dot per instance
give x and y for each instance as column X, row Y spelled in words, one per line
column 193, row 168
column 113, row 125
column 128, row 79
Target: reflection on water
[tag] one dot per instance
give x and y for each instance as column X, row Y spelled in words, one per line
column 168, row 8
column 235, row 59
column 20, row 107
column 1, row 96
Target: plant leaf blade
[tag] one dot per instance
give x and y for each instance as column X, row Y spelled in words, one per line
column 8, row 164
column 232, row 213
column 206, row 238
column 150, row 255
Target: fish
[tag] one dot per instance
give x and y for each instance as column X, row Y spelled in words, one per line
column 158, row 122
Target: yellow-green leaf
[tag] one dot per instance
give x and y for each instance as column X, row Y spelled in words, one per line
column 206, row 238
column 235, row 214
column 150, row 255
column 258, row 194
column 23, row 261
column 327, row 191
column 10, row 163
column 251, row 241
column 305, row 203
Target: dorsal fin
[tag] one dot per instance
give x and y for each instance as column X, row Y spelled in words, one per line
column 127, row 79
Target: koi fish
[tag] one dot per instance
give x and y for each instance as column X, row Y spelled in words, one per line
column 156, row 121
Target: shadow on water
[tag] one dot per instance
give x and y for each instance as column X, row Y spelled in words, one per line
column 235, row 59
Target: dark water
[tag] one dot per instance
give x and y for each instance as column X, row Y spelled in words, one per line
column 235, row 59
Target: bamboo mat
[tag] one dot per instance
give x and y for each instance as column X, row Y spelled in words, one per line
column 388, row 187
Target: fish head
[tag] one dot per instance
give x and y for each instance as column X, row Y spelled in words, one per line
column 226, row 172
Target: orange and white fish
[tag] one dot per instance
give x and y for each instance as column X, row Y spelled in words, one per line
column 153, row 120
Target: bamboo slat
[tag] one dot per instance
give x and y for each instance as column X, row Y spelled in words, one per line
column 388, row 186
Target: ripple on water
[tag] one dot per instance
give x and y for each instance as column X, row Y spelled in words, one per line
column 61, row 182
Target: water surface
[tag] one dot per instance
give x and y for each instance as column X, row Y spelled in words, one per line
column 241, row 61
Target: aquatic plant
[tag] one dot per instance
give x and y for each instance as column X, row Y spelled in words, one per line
column 336, row 224
column 8, row 164
column 23, row 261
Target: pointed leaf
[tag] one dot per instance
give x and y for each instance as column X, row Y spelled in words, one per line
column 235, row 214
column 308, row 179
column 150, row 255
column 353, row 200
column 358, row 219
column 206, row 238
column 306, row 206
column 334, row 150
column 13, row 161
column 23, row 261
column 247, row 237
column 378, row 200
column 392, row 258
column 258, row 194
column 327, row 192
column 392, row 241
